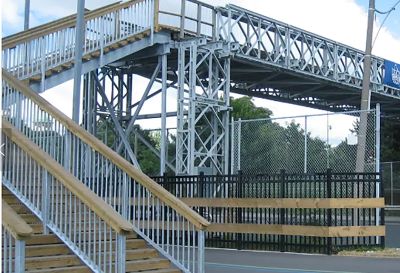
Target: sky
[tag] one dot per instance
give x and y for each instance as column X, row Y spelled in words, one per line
column 344, row 21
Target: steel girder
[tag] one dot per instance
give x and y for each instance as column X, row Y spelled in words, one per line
column 203, row 109
column 266, row 41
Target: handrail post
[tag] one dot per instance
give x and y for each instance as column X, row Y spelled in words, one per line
column 121, row 255
column 201, row 243
column 45, row 201
column 19, row 256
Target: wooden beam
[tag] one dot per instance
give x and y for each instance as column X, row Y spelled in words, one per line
column 317, row 203
column 14, row 223
column 83, row 193
column 97, row 145
column 313, row 231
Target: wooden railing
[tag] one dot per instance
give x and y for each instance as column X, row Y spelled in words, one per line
column 101, row 168
column 57, row 197
column 14, row 223
column 14, row 233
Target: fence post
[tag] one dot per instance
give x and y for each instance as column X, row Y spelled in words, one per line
column 329, row 214
column 239, row 219
column 200, row 187
column 382, row 215
column 282, row 210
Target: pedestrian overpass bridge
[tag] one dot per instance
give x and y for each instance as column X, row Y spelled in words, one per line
column 205, row 53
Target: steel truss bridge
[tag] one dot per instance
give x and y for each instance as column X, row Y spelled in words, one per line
column 205, row 53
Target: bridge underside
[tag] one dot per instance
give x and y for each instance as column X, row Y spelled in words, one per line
column 270, row 82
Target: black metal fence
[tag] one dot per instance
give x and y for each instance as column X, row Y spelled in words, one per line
column 283, row 185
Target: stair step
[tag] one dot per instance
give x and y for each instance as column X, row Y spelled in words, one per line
column 73, row 269
column 149, row 264
column 41, row 239
column 164, row 270
column 51, row 261
column 141, row 253
column 47, row 250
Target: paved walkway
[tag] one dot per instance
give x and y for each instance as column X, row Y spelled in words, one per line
column 235, row 261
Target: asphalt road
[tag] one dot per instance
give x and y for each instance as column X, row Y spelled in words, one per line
column 235, row 261
column 393, row 232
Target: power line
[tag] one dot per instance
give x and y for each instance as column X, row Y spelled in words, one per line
column 388, row 12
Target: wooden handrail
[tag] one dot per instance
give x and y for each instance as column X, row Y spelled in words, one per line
column 69, row 21
column 89, row 198
column 110, row 154
column 19, row 229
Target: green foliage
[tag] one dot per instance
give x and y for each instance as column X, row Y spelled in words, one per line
column 244, row 108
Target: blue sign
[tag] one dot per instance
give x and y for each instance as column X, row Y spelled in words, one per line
column 392, row 74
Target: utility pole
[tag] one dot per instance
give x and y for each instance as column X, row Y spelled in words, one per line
column 80, row 32
column 27, row 11
column 366, row 94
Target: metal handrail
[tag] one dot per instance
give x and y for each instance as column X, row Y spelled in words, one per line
column 159, row 217
column 63, row 204
column 14, row 234
column 36, row 51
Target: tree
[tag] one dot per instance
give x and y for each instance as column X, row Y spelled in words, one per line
column 244, row 108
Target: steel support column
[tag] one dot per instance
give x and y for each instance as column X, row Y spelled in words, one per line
column 203, row 111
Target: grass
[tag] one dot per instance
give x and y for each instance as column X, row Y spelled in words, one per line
column 372, row 252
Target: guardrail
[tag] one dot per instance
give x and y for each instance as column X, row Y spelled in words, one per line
column 14, row 233
column 64, row 205
column 36, row 51
column 139, row 199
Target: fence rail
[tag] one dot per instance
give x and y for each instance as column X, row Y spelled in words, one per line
column 321, row 212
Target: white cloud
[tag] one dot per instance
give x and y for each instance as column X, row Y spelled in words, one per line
column 341, row 20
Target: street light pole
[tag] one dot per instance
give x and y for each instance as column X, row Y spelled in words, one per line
column 366, row 94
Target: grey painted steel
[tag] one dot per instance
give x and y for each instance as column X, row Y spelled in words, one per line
column 152, row 149
column 79, row 42
column 13, row 253
column 19, row 256
column 121, row 134
column 377, row 158
column 27, row 12
column 203, row 112
column 104, row 178
column 163, row 144
column 64, row 211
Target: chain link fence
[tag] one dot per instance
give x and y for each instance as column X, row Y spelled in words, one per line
column 309, row 144
column 391, row 182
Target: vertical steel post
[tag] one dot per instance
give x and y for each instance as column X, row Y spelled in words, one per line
column 79, row 41
column 182, row 23
column 19, row 256
column 121, row 253
column 45, row 201
column 238, row 145
column 377, row 160
column 305, row 144
column 27, row 12
column 163, row 60
column 200, row 251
